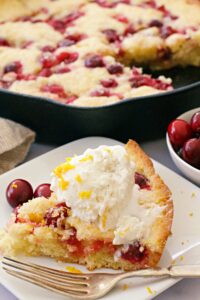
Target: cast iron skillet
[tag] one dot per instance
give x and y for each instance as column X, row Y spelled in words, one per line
column 143, row 118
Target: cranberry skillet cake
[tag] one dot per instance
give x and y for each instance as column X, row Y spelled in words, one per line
column 108, row 208
column 81, row 52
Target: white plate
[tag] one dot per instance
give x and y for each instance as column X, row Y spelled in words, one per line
column 186, row 233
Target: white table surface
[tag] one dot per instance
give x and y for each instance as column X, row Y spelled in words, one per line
column 185, row 289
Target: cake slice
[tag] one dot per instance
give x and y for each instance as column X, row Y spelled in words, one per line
column 108, row 209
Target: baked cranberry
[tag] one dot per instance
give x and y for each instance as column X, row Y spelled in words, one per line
column 54, row 89
column 18, row 192
column 4, row 42
column 166, row 31
column 15, row 67
column 129, row 30
column 142, row 181
column 48, row 49
column 179, row 131
column 121, row 19
column 100, row 93
column 71, row 99
column 94, row 61
column 151, row 3
column 134, row 253
column 195, row 122
column 191, row 152
column 115, row 69
column 48, row 60
column 45, row 73
column 141, row 80
column 67, row 57
column 72, row 17
column 57, row 25
column 71, row 40
column 43, row 190
column 111, row 35
column 155, row 23
column 62, row 70
column 109, row 83
column 56, row 216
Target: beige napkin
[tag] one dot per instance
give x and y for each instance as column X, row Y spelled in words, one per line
column 15, row 141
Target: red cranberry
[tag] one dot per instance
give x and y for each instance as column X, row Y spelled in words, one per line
column 55, row 216
column 43, row 190
column 48, row 49
column 67, row 57
column 195, row 122
column 141, row 80
column 62, row 70
column 71, row 40
column 121, row 19
column 111, row 35
column 94, row 61
column 48, row 60
column 18, row 192
column 155, row 23
column 15, row 66
column 54, row 89
column 57, row 25
column 129, row 30
column 115, row 69
column 142, row 181
column 71, row 99
column 135, row 253
column 45, row 73
column 179, row 131
column 72, row 17
column 109, row 83
column 4, row 42
column 151, row 3
column 166, row 31
column 191, row 152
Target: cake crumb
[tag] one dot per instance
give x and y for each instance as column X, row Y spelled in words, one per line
column 182, row 243
column 191, row 214
column 73, row 270
column 125, row 287
column 181, row 258
column 193, row 195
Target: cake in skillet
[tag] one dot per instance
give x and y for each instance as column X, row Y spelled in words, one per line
column 45, row 44
column 108, row 209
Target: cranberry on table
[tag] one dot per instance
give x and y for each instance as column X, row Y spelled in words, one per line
column 43, row 190
column 18, row 192
column 191, row 152
column 195, row 122
column 179, row 131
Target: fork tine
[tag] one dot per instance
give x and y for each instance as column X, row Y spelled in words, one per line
column 45, row 269
column 50, row 276
column 46, row 283
column 48, row 286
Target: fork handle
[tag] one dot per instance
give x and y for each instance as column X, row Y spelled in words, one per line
column 183, row 271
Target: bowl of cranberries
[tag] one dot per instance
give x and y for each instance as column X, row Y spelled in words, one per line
column 183, row 141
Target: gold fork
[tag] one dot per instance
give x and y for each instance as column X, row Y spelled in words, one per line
column 86, row 285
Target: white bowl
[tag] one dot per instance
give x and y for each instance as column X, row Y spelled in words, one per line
column 189, row 171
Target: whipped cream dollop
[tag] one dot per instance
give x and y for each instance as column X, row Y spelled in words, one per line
column 99, row 188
